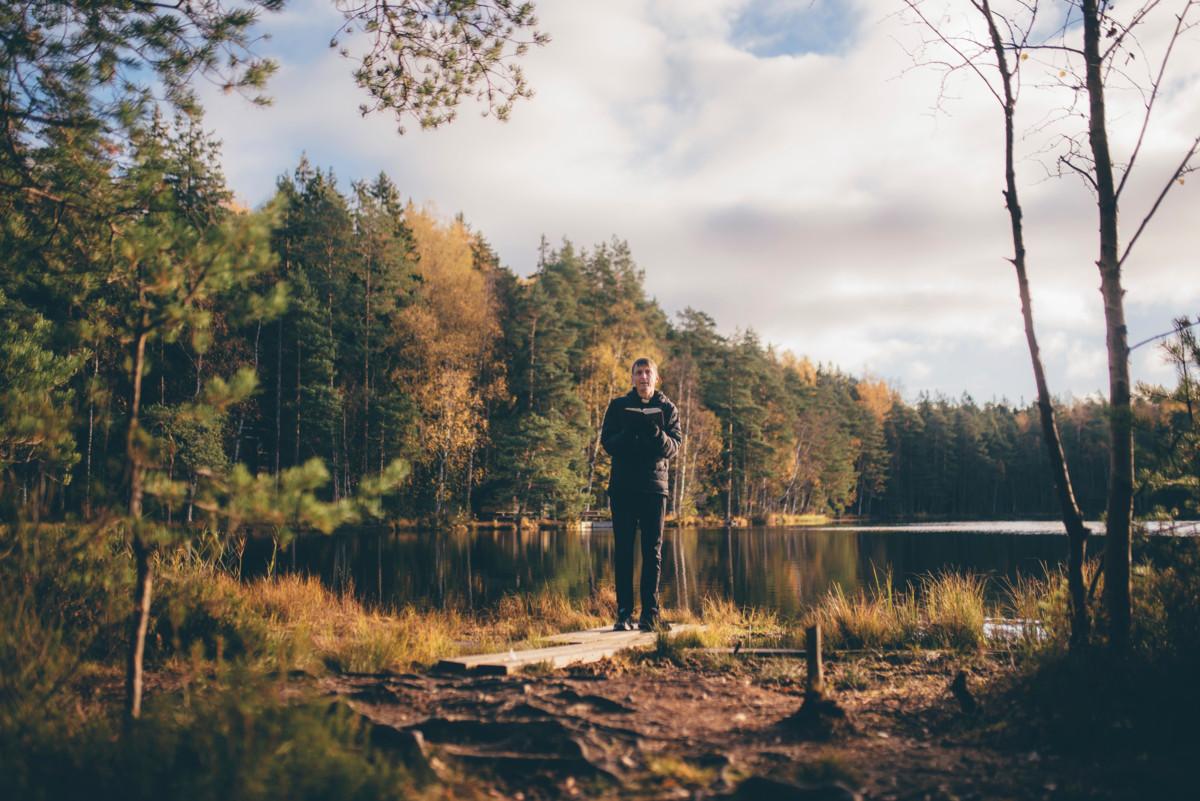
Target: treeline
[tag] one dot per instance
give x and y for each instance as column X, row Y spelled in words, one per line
column 358, row 329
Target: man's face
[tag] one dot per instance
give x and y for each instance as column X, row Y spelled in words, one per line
column 644, row 379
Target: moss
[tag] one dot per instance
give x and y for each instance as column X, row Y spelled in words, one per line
column 681, row 771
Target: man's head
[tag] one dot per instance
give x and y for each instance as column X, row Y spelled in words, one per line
column 645, row 377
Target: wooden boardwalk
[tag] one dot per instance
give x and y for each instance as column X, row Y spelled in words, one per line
column 572, row 648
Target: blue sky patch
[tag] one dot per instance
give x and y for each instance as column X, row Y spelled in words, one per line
column 769, row 28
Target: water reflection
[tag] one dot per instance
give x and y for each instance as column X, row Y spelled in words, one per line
column 781, row 569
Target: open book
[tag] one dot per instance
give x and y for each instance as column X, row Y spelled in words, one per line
column 643, row 418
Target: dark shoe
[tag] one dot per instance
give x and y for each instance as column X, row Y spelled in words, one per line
column 654, row 624
column 623, row 624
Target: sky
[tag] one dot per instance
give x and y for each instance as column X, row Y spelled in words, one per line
column 790, row 166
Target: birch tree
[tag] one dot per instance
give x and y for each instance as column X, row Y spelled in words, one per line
column 1091, row 48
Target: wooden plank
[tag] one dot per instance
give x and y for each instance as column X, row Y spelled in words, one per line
column 605, row 634
column 599, row 634
column 507, row 662
column 572, row 648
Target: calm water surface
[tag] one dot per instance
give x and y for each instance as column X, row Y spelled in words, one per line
column 781, row 569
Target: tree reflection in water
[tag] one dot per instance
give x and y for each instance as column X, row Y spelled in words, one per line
column 785, row 570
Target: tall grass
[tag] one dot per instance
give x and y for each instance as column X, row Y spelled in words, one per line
column 1041, row 604
column 726, row 623
column 952, row 606
column 723, row 623
column 336, row 631
column 529, row 616
column 874, row 617
column 944, row 610
column 318, row 628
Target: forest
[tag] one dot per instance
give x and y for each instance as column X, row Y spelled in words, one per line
column 345, row 324
column 167, row 353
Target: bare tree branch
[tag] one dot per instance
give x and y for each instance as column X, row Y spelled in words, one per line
column 1155, row 85
column 1086, row 175
column 1183, row 168
column 967, row 61
column 1118, row 32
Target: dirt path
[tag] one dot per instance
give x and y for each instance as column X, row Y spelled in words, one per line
column 701, row 728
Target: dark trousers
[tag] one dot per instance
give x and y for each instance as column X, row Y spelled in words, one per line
column 631, row 511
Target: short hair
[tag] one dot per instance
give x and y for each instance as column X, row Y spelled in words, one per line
column 644, row 362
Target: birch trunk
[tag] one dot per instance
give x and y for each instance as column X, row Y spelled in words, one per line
column 1117, row 542
column 1077, row 533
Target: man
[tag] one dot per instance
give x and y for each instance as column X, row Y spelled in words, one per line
column 640, row 432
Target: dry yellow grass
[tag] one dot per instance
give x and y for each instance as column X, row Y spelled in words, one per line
column 946, row 610
column 681, row 771
column 312, row 627
column 725, row 623
column 1044, row 601
column 880, row 619
column 528, row 617
column 316, row 627
column 782, row 519
column 953, row 610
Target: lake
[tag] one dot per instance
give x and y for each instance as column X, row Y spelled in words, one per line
column 780, row 569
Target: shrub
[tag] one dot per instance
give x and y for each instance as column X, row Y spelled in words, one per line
column 235, row 742
column 201, row 607
column 36, row 665
column 1166, row 606
column 74, row 578
column 1144, row 702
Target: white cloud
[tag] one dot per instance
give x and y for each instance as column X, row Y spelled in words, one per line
column 1086, row 362
column 816, row 198
column 1153, row 367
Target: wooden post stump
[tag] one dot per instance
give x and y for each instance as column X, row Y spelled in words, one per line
column 819, row 718
column 816, row 670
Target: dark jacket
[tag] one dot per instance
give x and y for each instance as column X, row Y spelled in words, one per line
column 639, row 452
